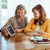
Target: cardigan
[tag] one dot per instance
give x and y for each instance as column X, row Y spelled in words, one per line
column 44, row 27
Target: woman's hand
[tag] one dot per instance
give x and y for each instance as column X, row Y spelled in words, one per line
column 42, row 32
column 19, row 30
column 33, row 33
column 5, row 33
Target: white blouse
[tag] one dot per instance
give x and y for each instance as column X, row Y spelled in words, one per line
column 38, row 27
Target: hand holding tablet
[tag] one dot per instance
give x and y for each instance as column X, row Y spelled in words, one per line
column 10, row 30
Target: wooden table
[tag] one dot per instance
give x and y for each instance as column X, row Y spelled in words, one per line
column 20, row 41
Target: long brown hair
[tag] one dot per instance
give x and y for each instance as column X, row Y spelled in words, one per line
column 42, row 14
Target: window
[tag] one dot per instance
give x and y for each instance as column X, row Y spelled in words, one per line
column 9, row 6
column 4, row 12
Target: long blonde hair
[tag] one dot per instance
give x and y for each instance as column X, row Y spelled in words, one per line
column 20, row 7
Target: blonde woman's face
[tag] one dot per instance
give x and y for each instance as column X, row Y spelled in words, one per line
column 36, row 14
column 20, row 13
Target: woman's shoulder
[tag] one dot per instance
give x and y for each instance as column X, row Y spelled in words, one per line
column 47, row 20
column 25, row 18
column 32, row 19
column 12, row 18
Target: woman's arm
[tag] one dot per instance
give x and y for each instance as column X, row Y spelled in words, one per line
column 5, row 32
column 47, row 32
column 28, row 27
column 3, row 29
column 33, row 33
column 19, row 30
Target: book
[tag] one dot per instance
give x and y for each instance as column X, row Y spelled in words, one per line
column 40, row 40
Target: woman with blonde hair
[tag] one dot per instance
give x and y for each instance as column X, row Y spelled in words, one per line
column 39, row 25
column 18, row 22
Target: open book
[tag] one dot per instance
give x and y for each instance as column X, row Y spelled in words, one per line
column 39, row 39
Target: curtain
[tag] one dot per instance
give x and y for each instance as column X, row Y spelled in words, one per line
column 0, row 13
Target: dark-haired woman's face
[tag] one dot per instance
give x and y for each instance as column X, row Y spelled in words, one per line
column 36, row 14
column 20, row 13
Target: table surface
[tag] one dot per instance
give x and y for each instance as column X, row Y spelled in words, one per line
column 20, row 41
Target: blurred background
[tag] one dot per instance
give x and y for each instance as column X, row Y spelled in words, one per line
column 7, row 8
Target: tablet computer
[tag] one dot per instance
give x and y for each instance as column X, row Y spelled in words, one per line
column 10, row 30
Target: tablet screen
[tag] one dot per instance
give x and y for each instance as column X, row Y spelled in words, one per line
column 10, row 29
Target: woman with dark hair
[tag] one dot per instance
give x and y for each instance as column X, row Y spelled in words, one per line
column 18, row 22
column 39, row 25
